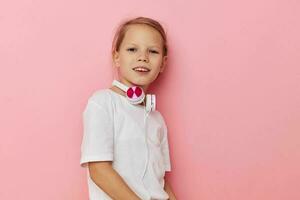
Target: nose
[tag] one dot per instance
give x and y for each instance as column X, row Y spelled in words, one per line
column 143, row 57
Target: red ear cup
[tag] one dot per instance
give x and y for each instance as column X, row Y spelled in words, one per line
column 130, row 92
column 135, row 94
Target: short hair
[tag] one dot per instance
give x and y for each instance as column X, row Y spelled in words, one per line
column 123, row 27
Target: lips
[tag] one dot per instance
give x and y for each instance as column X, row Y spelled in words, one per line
column 141, row 69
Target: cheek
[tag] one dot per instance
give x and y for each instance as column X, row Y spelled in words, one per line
column 157, row 61
column 155, row 58
column 126, row 59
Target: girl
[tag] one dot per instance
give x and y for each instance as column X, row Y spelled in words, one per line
column 125, row 143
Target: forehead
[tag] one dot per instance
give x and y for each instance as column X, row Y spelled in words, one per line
column 142, row 35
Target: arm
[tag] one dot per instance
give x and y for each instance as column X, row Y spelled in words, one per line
column 103, row 174
column 168, row 189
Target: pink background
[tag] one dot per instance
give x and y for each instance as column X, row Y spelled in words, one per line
column 230, row 94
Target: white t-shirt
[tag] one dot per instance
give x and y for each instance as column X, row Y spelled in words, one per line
column 136, row 142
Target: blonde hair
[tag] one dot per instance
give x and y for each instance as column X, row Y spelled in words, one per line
column 123, row 27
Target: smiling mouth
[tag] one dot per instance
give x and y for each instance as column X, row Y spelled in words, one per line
column 141, row 69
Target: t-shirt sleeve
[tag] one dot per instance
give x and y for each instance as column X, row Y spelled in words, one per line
column 165, row 149
column 98, row 137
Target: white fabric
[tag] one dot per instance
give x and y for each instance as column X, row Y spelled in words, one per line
column 136, row 142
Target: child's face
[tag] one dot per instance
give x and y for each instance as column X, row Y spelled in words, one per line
column 141, row 46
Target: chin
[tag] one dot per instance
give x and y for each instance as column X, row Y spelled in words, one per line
column 142, row 82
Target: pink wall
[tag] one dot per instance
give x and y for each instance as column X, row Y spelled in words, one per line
column 234, row 71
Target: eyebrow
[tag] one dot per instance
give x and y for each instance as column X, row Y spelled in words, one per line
column 154, row 45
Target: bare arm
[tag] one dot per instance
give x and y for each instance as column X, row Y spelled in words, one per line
column 169, row 190
column 103, row 174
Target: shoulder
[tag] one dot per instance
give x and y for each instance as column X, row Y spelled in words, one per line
column 100, row 97
column 159, row 116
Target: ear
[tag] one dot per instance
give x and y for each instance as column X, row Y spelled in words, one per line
column 116, row 59
column 164, row 63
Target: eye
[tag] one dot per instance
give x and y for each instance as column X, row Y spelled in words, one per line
column 154, row 51
column 131, row 49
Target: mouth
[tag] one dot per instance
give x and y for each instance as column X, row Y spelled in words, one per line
column 142, row 69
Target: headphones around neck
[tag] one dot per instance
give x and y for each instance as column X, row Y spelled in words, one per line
column 135, row 95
